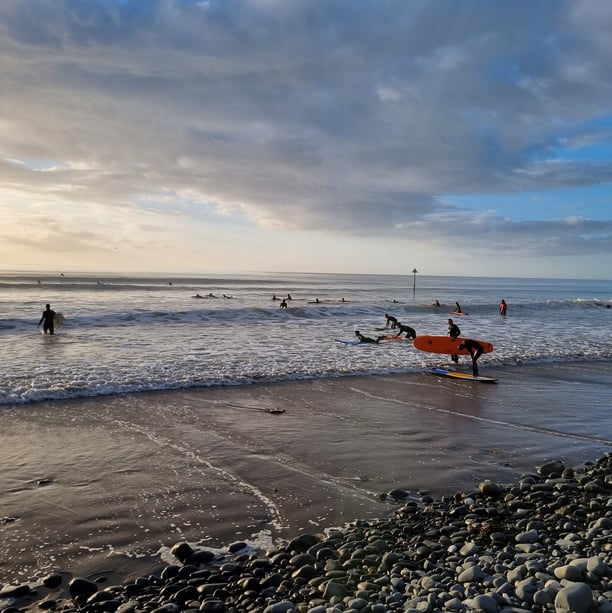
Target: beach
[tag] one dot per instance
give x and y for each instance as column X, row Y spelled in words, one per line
column 105, row 486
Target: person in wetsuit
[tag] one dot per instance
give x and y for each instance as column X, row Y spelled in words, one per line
column 366, row 339
column 410, row 332
column 475, row 349
column 503, row 307
column 453, row 332
column 47, row 318
column 391, row 321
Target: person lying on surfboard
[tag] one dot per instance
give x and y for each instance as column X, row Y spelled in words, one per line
column 475, row 349
column 410, row 332
column 367, row 339
column 458, row 308
column 453, row 332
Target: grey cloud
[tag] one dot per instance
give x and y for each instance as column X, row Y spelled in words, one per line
column 354, row 118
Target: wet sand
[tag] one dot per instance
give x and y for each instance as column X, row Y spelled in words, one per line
column 106, row 485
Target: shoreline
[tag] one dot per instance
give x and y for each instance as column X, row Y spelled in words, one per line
column 541, row 542
column 138, row 472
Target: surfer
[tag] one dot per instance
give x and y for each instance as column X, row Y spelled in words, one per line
column 47, row 317
column 391, row 321
column 503, row 307
column 410, row 332
column 453, row 332
column 475, row 349
column 458, row 308
column 367, row 339
column 283, row 304
column 437, row 303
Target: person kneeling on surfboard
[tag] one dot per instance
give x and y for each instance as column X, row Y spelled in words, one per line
column 475, row 349
column 366, row 339
column 47, row 317
column 410, row 332
column 390, row 321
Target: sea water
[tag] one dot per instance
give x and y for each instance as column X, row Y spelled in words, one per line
column 129, row 333
column 153, row 417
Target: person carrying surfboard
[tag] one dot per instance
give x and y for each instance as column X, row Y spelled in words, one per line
column 475, row 349
column 47, row 318
column 453, row 332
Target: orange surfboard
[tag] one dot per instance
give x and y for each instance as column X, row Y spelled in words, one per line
column 446, row 344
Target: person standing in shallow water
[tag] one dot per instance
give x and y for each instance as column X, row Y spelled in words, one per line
column 47, row 318
column 453, row 332
column 503, row 307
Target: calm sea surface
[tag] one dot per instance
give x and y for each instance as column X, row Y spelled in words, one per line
column 128, row 334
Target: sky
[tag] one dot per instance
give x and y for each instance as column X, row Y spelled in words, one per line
column 457, row 137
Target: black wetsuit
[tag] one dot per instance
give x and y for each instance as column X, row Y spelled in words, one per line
column 367, row 339
column 410, row 332
column 47, row 318
column 391, row 320
column 454, row 332
column 475, row 349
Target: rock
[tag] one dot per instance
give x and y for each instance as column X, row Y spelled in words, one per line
column 489, row 488
column 82, row 587
column 551, row 468
column 577, row 598
column 182, row 551
column 473, row 573
column 484, row 603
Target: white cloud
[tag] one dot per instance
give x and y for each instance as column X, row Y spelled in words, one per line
column 332, row 118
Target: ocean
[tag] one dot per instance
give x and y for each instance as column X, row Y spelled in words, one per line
column 154, row 417
column 131, row 334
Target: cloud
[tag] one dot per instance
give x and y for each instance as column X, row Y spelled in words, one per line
column 352, row 118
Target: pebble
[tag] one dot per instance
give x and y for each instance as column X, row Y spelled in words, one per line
column 541, row 545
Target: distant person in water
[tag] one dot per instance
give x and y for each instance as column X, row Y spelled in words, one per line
column 503, row 307
column 391, row 321
column 274, row 297
column 289, row 297
column 458, row 308
column 453, row 332
column 47, row 318
column 366, row 339
column 410, row 332
column 283, row 304
column 228, row 297
column 475, row 349
column 437, row 303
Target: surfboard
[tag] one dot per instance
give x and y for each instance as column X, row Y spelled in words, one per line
column 446, row 344
column 443, row 372
column 459, row 313
column 394, row 338
column 58, row 320
column 352, row 342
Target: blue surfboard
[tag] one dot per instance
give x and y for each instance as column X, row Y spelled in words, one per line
column 444, row 372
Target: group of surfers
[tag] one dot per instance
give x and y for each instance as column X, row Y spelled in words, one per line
column 473, row 347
